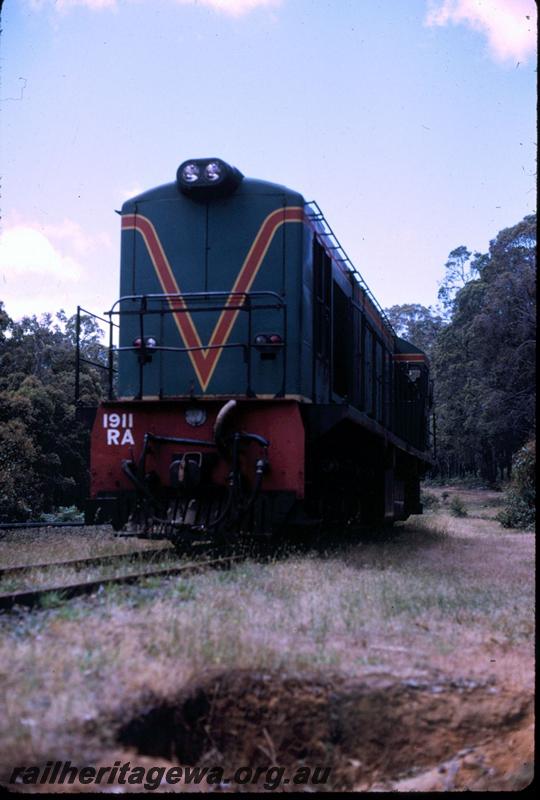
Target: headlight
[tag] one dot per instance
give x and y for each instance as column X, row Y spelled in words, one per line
column 195, row 416
column 213, row 171
column 191, row 173
column 207, row 178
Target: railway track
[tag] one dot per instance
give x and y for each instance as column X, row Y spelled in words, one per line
column 80, row 563
column 33, row 597
column 7, row 526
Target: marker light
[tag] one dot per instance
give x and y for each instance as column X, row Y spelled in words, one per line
column 149, row 343
column 268, row 344
column 268, row 338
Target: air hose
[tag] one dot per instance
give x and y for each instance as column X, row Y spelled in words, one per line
column 223, row 413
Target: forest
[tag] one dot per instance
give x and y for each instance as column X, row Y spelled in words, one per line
column 480, row 338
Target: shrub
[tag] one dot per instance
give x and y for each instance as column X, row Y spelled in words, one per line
column 520, row 497
column 430, row 501
column 63, row 514
column 457, row 507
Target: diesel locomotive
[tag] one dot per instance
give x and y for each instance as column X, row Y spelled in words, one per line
column 255, row 384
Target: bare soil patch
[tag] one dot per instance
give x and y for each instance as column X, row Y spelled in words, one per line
column 368, row 731
column 377, row 733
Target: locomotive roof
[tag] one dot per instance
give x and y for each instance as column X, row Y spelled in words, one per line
column 253, row 187
column 248, row 186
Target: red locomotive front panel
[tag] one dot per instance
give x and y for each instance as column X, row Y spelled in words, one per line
column 119, row 431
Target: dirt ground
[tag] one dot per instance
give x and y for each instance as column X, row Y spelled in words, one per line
column 405, row 664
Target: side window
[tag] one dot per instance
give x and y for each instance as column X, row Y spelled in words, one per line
column 341, row 343
column 387, row 390
column 322, row 286
column 357, row 349
column 368, row 370
column 379, row 377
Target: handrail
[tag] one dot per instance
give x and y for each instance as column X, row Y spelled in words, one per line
column 157, row 348
column 141, row 305
column 96, row 316
column 79, row 359
column 194, row 296
column 343, row 258
column 185, row 309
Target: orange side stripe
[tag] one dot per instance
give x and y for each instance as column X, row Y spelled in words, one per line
column 409, row 357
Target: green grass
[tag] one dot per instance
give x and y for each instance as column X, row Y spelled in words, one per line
column 8, row 585
column 52, row 600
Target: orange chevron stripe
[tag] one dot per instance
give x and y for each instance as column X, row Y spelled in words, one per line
column 205, row 361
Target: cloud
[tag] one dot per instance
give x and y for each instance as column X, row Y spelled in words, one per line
column 130, row 191
column 43, row 267
column 35, row 275
column 65, row 5
column 509, row 25
column 232, row 7
column 26, row 250
column 72, row 235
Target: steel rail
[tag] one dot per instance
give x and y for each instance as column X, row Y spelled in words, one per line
column 6, row 526
column 65, row 592
column 89, row 562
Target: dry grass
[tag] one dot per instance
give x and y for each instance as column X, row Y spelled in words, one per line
column 36, row 545
column 60, row 575
column 479, row 503
column 454, row 594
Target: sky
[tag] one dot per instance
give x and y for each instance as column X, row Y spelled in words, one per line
column 411, row 122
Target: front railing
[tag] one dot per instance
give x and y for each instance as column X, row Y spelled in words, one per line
column 144, row 306
column 108, row 350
